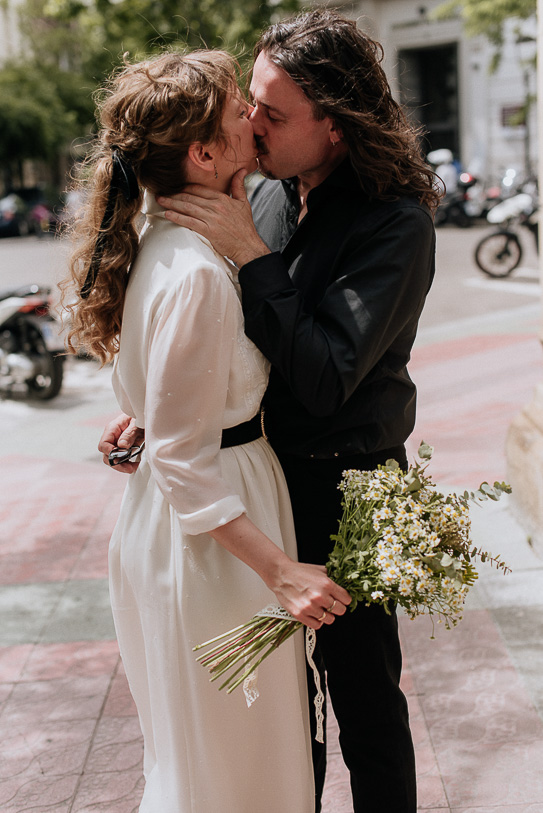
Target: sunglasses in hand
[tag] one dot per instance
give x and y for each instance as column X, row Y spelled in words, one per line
column 118, row 456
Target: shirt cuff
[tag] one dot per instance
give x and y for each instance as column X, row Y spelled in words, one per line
column 212, row 516
column 264, row 276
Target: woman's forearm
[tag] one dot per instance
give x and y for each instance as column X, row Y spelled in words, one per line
column 303, row 589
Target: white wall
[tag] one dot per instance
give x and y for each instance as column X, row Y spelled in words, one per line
column 487, row 147
column 9, row 31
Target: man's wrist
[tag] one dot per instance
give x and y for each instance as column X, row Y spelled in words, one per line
column 248, row 253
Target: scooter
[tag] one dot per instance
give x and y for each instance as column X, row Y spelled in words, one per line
column 44, row 220
column 500, row 252
column 31, row 349
column 454, row 208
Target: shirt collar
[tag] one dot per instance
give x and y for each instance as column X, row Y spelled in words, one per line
column 342, row 177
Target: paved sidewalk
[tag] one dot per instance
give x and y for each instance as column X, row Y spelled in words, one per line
column 69, row 736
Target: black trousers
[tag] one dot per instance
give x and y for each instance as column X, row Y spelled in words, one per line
column 359, row 654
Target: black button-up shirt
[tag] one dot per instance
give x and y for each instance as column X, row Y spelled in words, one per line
column 335, row 309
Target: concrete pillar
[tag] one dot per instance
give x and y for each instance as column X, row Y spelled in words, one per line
column 524, row 445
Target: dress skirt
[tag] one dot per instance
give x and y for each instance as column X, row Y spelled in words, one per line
column 206, row 751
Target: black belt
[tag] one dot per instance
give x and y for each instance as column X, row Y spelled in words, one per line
column 243, row 432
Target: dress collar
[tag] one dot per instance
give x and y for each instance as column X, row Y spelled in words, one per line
column 151, row 209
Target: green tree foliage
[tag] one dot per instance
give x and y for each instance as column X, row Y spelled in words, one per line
column 71, row 46
column 34, row 122
column 91, row 36
column 487, row 17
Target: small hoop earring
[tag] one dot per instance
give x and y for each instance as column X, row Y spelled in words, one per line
column 216, row 173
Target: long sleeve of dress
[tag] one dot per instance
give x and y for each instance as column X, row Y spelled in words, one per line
column 189, row 358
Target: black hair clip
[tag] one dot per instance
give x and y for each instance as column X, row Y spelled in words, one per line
column 123, row 179
column 123, row 176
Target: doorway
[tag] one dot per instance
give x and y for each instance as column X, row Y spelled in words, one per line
column 428, row 81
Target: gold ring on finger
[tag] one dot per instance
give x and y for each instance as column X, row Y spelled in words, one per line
column 330, row 609
column 323, row 616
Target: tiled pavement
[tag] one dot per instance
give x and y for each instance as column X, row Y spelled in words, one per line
column 69, row 737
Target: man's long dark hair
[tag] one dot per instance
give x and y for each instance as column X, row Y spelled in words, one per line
column 339, row 69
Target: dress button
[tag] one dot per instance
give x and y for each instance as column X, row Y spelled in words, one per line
column 336, row 454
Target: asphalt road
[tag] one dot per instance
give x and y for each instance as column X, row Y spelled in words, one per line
column 460, row 290
column 467, row 398
column 462, row 300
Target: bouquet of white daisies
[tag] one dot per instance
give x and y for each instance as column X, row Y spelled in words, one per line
column 400, row 542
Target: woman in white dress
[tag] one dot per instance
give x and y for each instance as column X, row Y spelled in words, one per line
column 205, row 536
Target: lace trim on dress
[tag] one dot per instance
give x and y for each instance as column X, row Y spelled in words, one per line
column 310, row 642
column 276, row 611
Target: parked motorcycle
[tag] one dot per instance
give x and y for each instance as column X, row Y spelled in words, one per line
column 481, row 199
column 31, row 350
column 44, row 220
column 500, row 252
column 455, row 206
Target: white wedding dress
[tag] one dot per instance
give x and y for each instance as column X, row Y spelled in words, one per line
column 185, row 371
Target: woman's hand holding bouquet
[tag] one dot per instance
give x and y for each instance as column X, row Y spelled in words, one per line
column 400, row 542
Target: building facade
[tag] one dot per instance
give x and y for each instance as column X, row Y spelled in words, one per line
column 441, row 77
column 444, row 80
column 10, row 41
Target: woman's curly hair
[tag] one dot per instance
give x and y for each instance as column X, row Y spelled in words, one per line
column 150, row 113
column 339, row 69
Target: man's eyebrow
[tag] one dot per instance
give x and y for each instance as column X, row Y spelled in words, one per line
column 267, row 106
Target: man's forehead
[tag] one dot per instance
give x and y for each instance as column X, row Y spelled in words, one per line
column 273, row 88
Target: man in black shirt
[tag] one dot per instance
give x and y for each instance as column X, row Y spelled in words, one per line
column 334, row 272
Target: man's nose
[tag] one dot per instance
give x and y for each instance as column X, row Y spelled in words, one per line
column 256, row 120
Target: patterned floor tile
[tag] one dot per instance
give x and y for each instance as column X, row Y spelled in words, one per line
column 500, row 775
column 12, row 661
column 535, row 808
column 119, row 702
column 66, row 534
column 65, row 660
column 34, row 704
column 5, row 692
column 117, row 746
column 25, row 609
column 55, row 612
column 41, row 795
column 68, row 724
column 83, row 612
column 46, row 749
column 431, row 793
column 116, row 792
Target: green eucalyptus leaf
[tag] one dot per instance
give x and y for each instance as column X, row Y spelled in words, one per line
column 425, row 451
column 392, row 464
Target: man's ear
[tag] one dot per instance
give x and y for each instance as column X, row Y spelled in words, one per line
column 336, row 134
column 202, row 156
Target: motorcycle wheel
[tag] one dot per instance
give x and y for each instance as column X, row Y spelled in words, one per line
column 498, row 254
column 48, row 382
